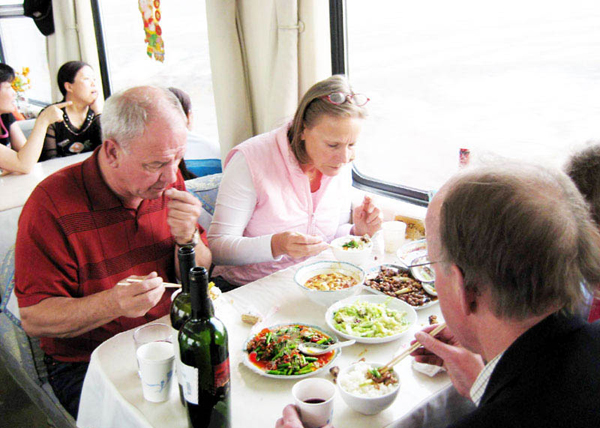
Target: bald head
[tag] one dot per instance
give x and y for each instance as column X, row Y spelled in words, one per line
column 522, row 233
column 126, row 114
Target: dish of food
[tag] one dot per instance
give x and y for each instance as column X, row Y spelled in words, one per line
column 407, row 252
column 330, row 281
column 424, row 272
column 396, row 281
column 273, row 352
column 370, row 319
column 365, row 380
column 356, row 243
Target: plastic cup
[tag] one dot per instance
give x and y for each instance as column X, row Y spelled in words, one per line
column 156, row 370
column 148, row 333
column 394, row 234
column 314, row 401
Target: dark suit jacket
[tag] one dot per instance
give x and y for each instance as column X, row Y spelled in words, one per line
column 549, row 377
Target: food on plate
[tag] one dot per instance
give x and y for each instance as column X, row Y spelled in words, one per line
column 366, row 381
column 275, row 350
column 251, row 317
column 330, row 281
column 415, row 229
column 399, row 283
column 356, row 243
column 214, row 292
column 366, row 319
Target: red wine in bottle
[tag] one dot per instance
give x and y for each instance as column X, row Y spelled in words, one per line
column 181, row 307
column 205, row 360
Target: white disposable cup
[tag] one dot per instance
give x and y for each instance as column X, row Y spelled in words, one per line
column 394, row 234
column 314, row 414
column 148, row 333
column 156, row 370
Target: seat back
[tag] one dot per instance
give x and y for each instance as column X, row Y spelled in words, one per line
column 205, row 189
column 22, row 355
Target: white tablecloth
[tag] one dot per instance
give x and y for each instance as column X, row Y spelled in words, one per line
column 112, row 395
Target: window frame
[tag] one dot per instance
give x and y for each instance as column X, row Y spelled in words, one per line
column 339, row 61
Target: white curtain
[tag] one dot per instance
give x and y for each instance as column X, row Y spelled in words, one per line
column 73, row 39
column 264, row 55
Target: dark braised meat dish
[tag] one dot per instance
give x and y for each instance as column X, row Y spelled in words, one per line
column 400, row 284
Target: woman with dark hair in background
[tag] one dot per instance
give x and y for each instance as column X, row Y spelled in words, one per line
column 80, row 129
column 23, row 153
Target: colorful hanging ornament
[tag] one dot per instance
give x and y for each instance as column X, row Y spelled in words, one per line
column 151, row 15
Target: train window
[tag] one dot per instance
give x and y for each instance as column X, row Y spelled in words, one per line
column 24, row 46
column 186, row 61
column 511, row 78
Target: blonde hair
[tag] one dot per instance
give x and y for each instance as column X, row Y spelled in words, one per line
column 314, row 106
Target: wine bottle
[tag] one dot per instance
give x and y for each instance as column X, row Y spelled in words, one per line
column 181, row 307
column 205, row 360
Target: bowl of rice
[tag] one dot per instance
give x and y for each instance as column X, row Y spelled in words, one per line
column 352, row 249
column 365, row 390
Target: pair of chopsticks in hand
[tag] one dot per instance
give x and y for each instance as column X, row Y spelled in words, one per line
column 166, row 284
column 410, row 350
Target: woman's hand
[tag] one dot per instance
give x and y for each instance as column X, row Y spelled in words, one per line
column 463, row 366
column 52, row 114
column 296, row 245
column 367, row 218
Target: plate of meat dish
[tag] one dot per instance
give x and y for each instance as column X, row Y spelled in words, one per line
column 273, row 352
column 397, row 281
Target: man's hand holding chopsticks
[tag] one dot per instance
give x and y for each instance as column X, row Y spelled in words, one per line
column 444, row 350
column 134, row 299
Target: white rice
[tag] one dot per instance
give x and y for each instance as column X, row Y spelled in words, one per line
column 355, row 382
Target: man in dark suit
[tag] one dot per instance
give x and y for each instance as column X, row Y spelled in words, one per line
column 511, row 247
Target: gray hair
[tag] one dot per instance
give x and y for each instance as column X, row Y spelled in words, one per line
column 525, row 233
column 584, row 169
column 313, row 106
column 127, row 113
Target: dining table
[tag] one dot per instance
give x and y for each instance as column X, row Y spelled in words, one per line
column 112, row 393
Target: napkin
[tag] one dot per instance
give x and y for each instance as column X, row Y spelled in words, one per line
column 428, row 369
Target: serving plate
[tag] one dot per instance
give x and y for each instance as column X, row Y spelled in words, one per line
column 406, row 252
column 430, row 299
column 393, row 304
column 253, row 367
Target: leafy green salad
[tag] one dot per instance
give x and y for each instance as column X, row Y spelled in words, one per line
column 365, row 319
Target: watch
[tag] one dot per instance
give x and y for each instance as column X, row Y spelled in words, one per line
column 192, row 242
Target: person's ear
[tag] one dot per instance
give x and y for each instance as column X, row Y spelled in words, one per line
column 113, row 152
column 467, row 299
column 68, row 87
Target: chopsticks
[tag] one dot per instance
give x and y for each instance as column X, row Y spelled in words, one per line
column 411, row 349
column 166, row 284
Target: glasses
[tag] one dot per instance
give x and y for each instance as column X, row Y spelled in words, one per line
column 423, row 264
column 339, row 98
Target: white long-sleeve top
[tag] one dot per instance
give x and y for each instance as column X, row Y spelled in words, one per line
column 234, row 208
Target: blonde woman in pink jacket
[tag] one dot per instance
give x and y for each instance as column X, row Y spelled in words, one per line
column 285, row 194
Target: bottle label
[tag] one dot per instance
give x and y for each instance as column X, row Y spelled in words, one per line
column 221, row 373
column 175, row 333
column 189, row 377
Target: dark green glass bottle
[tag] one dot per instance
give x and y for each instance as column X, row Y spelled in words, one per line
column 205, row 360
column 181, row 307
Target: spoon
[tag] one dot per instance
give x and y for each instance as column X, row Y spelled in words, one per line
column 315, row 349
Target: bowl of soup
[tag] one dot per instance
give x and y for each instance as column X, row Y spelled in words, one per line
column 326, row 282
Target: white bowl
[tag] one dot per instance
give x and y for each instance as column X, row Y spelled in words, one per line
column 361, row 403
column 392, row 303
column 351, row 255
column 327, row 298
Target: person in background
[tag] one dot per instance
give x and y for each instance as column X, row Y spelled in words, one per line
column 286, row 193
column 79, row 131
column 90, row 230
column 198, row 146
column 502, row 241
column 23, row 152
column 584, row 169
column 186, row 105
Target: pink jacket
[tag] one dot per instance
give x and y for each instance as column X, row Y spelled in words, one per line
column 284, row 201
